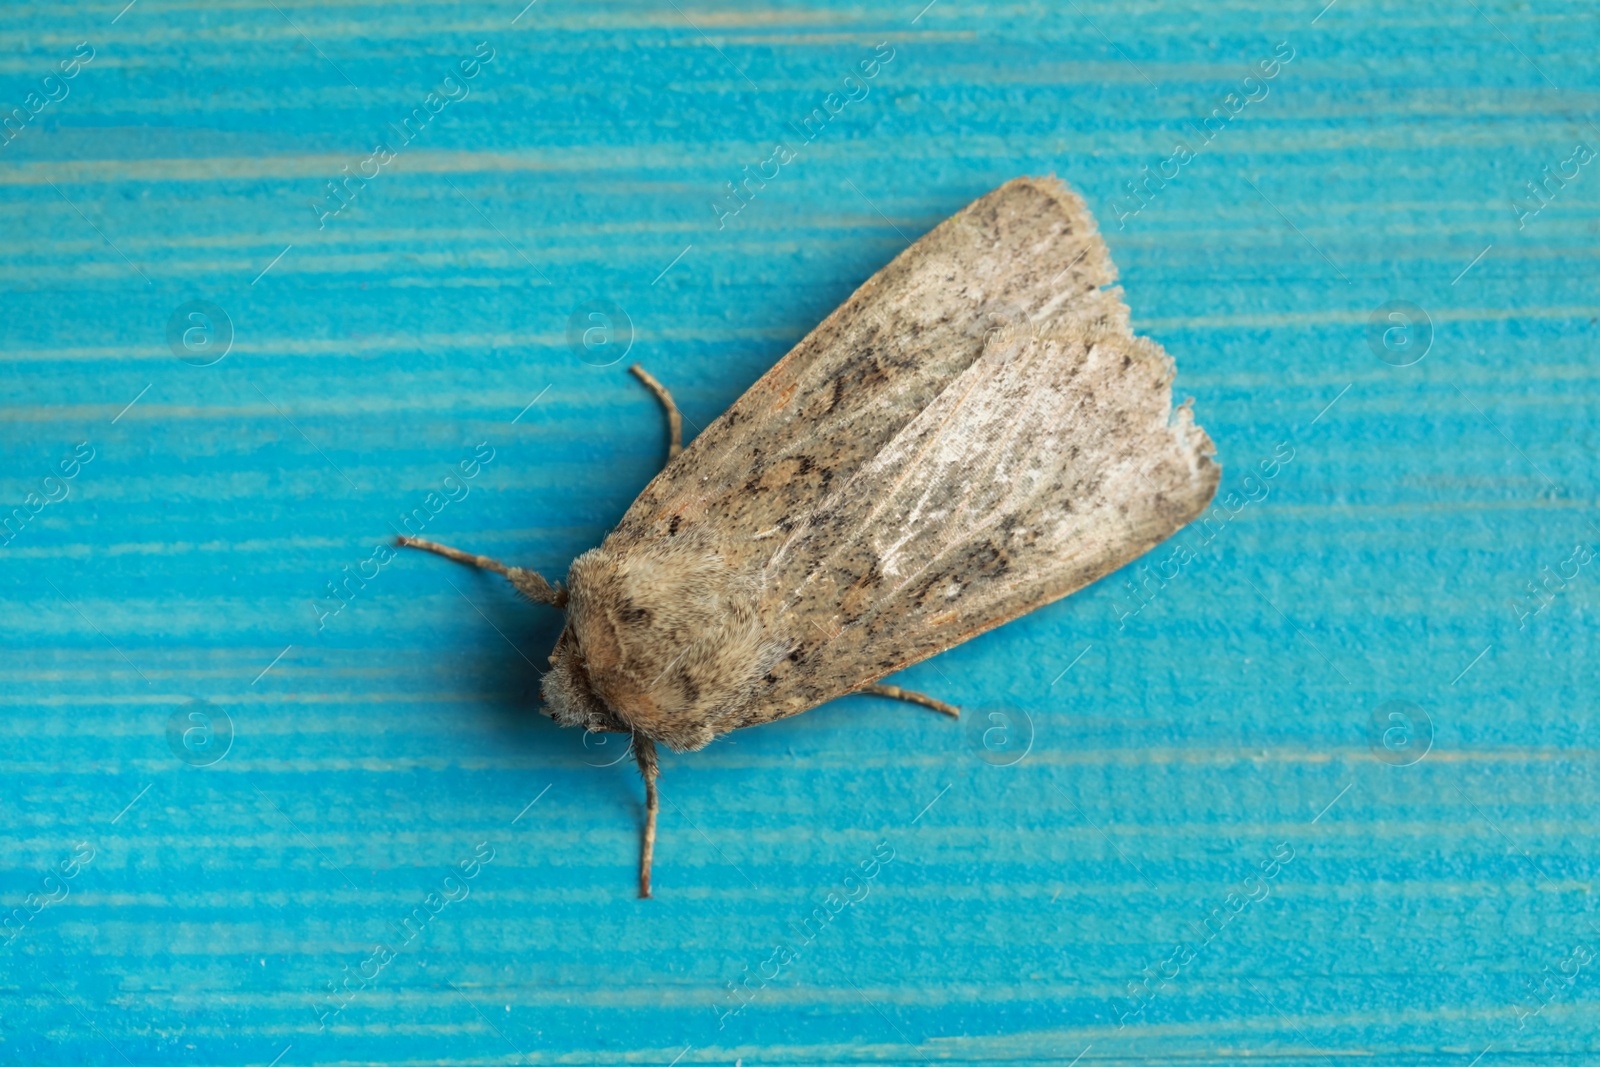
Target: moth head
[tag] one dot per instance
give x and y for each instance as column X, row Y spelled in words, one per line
column 662, row 639
column 569, row 696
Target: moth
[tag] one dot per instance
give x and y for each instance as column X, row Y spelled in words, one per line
column 976, row 432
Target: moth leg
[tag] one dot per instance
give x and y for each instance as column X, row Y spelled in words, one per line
column 644, row 750
column 674, row 420
column 530, row 584
column 894, row 692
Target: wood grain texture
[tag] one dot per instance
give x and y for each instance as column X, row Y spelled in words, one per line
column 1180, row 725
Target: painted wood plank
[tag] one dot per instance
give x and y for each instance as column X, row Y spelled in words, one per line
column 1353, row 687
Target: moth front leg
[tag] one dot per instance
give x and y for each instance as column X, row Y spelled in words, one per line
column 674, row 419
column 894, row 692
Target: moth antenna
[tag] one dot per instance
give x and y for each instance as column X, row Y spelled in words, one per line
column 674, row 418
column 530, row 584
column 644, row 750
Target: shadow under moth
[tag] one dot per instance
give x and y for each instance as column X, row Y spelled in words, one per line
column 974, row 433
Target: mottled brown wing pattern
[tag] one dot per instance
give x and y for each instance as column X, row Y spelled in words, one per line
column 1053, row 460
column 974, row 433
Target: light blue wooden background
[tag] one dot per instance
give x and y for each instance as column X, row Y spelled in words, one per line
column 1430, row 907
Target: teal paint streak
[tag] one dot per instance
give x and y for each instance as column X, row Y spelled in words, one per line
column 1420, row 909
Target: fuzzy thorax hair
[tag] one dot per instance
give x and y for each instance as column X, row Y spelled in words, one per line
column 664, row 640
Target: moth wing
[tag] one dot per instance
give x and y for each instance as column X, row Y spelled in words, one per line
column 978, row 381
column 1054, row 459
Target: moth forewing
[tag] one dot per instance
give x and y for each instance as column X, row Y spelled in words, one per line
column 1047, row 464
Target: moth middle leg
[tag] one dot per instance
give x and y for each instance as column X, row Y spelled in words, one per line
column 674, row 419
column 894, row 692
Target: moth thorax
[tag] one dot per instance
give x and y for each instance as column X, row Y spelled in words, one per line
column 664, row 637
